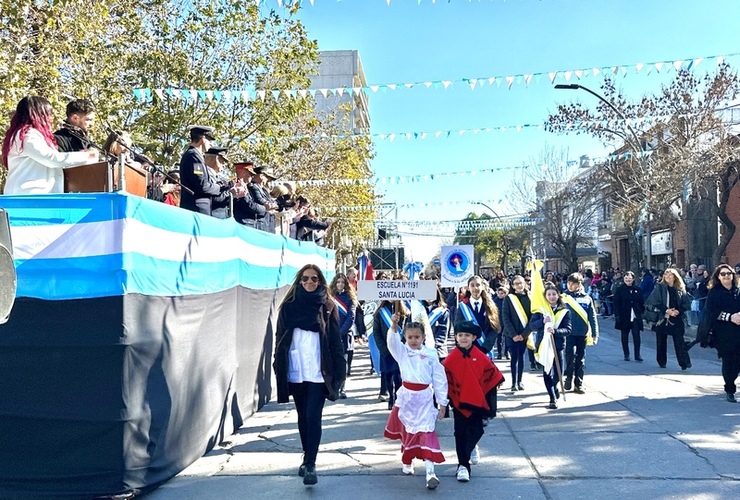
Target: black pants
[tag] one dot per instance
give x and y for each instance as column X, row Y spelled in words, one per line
column 392, row 383
column 551, row 379
column 468, row 431
column 575, row 358
column 309, row 401
column 730, row 370
column 635, row 329
column 661, row 344
column 501, row 346
column 517, row 350
column 350, row 355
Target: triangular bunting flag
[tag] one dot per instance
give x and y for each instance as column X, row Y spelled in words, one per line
column 552, row 75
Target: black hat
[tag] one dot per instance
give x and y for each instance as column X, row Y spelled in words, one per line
column 266, row 171
column 468, row 327
column 198, row 131
column 218, row 152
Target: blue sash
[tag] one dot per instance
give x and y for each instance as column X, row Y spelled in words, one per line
column 385, row 315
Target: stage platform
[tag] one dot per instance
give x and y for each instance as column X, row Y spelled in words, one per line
column 142, row 334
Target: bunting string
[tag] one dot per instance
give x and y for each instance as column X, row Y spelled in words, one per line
column 360, row 208
column 410, row 179
column 251, row 93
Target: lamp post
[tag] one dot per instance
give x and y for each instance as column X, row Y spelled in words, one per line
column 637, row 148
column 498, row 218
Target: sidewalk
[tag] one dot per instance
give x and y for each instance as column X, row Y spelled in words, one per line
column 639, row 432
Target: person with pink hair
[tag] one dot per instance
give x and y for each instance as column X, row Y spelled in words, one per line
column 30, row 152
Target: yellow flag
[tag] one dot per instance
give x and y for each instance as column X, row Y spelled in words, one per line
column 539, row 303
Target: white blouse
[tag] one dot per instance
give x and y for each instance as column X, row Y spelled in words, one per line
column 419, row 366
column 36, row 168
column 304, row 357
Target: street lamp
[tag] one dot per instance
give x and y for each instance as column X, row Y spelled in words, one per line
column 637, row 148
column 499, row 218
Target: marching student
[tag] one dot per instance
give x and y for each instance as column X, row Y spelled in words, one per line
column 502, row 349
column 439, row 322
column 480, row 309
column 413, row 416
column 516, row 315
column 585, row 330
column 560, row 327
column 473, row 380
column 346, row 301
column 388, row 366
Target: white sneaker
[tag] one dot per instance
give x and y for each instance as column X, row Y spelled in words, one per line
column 462, row 474
column 475, row 455
column 408, row 469
column 432, row 481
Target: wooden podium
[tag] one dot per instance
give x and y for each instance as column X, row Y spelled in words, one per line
column 95, row 178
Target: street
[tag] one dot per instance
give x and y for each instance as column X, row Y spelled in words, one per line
column 638, row 432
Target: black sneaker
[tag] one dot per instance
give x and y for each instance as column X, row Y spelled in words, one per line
column 568, row 384
column 513, row 388
column 342, row 395
column 519, row 387
column 553, row 405
column 626, row 358
column 730, row 397
column 579, row 390
column 638, row 359
column 310, row 477
column 302, row 470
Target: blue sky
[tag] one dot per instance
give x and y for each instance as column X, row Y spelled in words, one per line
column 410, row 42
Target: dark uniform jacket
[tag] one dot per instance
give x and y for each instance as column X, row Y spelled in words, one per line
column 68, row 142
column 194, row 175
column 246, row 209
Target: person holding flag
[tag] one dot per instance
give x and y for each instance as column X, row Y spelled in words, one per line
column 387, row 365
column 551, row 319
column 585, row 331
column 345, row 299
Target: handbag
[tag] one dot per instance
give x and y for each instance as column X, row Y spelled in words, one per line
column 651, row 315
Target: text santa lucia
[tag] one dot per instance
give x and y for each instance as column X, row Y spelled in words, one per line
column 403, row 289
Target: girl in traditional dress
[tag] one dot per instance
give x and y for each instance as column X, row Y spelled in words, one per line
column 413, row 416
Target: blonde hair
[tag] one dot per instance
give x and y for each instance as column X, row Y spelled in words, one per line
column 677, row 281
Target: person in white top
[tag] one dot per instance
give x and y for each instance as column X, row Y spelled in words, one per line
column 30, row 152
column 309, row 358
column 413, row 416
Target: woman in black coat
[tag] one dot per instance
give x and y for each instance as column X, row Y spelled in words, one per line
column 722, row 313
column 670, row 299
column 309, row 358
column 628, row 307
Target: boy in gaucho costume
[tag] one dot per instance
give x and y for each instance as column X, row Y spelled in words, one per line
column 473, row 381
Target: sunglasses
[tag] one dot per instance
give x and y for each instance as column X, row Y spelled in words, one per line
column 726, row 273
column 306, row 279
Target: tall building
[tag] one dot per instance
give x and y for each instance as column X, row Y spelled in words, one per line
column 342, row 69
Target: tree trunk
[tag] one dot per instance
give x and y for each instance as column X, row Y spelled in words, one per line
column 726, row 182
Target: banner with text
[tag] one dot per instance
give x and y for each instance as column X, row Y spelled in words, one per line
column 397, row 290
column 457, row 265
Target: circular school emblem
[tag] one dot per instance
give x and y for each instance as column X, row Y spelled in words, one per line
column 457, row 263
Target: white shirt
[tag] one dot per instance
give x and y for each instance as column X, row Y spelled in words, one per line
column 419, row 366
column 476, row 305
column 36, row 168
column 304, row 357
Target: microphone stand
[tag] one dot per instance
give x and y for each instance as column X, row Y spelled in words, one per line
column 138, row 156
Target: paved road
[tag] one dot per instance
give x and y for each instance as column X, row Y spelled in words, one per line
column 639, row 432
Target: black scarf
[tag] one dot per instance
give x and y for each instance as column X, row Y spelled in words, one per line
column 303, row 311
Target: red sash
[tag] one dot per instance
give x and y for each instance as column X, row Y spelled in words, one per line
column 414, row 387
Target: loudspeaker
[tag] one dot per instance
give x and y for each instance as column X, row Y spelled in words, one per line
column 386, row 258
column 8, row 279
column 382, row 234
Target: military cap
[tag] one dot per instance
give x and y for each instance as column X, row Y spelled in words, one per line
column 198, row 131
column 266, row 171
column 218, row 152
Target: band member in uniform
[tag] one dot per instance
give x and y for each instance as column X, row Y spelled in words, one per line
column 194, row 173
column 80, row 119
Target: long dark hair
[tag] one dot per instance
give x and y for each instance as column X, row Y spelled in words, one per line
column 714, row 280
column 31, row 112
column 491, row 309
column 347, row 288
column 290, row 295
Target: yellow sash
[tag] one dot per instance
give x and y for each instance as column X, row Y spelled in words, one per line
column 516, row 303
column 578, row 309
